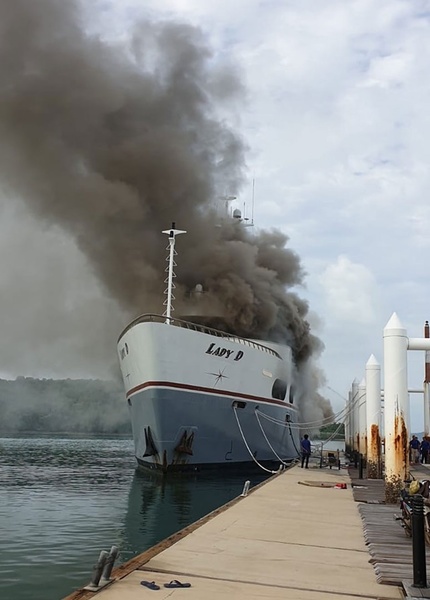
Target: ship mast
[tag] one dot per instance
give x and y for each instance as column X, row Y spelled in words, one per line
column 172, row 233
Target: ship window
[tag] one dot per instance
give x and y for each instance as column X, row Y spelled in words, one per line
column 291, row 395
column 279, row 389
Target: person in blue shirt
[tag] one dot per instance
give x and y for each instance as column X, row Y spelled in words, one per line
column 425, row 447
column 415, row 449
column 305, row 446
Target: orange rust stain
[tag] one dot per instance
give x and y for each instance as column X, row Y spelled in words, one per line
column 375, row 441
column 401, row 446
column 374, row 456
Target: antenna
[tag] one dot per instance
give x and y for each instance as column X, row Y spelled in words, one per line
column 253, row 200
column 172, row 233
column 246, row 221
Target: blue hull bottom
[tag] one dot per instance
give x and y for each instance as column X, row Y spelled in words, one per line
column 250, row 467
column 176, row 430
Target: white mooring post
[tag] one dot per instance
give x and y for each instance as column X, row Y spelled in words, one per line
column 355, row 422
column 396, row 408
column 348, row 425
column 427, row 384
column 362, row 419
column 373, row 414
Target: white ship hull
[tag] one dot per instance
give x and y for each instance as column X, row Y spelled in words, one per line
column 202, row 399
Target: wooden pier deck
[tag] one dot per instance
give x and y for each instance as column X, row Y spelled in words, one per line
column 389, row 547
column 294, row 537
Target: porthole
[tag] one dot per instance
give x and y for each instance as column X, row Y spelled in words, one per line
column 291, row 395
column 279, row 389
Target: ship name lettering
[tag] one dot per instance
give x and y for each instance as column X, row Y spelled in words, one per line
column 219, row 351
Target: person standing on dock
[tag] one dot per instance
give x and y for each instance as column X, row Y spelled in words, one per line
column 305, row 446
column 425, row 447
column 415, row 449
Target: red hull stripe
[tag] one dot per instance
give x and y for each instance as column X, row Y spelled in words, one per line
column 205, row 390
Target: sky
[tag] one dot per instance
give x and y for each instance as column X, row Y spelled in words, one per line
column 335, row 119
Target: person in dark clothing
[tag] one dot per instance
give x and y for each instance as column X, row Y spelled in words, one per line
column 425, row 447
column 305, row 446
column 415, row 449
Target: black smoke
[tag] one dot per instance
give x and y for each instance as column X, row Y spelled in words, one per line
column 113, row 142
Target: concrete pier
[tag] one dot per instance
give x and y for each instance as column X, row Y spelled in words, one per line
column 296, row 536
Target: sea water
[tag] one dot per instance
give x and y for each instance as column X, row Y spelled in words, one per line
column 63, row 500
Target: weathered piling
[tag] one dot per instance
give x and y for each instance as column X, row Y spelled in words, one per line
column 396, row 408
column 373, row 417
column 362, row 418
column 348, row 423
column 427, row 384
column 355, row 419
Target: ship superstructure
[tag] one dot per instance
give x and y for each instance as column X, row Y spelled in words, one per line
column 204, row 398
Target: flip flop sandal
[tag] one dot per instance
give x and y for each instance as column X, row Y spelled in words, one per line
column 150, row 585
column 177, row 584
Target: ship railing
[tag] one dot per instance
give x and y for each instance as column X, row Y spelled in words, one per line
column 154, row 318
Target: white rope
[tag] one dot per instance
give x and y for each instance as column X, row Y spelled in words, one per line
column 272, row 419
column 282, row 424
column 248, row 448
column 294, row 426
column 268, row 443
column 327, row 420
column 319, row 423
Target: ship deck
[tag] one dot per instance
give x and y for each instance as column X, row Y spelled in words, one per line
column 200, row 328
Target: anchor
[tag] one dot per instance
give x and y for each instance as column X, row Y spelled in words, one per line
column 185, row 445
column 150, row 447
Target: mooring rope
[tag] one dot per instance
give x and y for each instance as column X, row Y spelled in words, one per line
column 294, row 443
column 268, row 443
column 283, row 424
column 297, row 425
column 248, row 448
column 272, row 419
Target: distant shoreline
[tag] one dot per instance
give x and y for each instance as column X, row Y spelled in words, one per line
column 72, row 434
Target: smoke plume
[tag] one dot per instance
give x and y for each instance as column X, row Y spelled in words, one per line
column 113, row 143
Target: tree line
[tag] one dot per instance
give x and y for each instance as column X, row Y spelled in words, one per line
column 327, row 431
column 63, row 405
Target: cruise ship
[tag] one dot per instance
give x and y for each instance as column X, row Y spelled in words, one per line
column 203, row 398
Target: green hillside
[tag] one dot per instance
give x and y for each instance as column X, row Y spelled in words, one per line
column 63, row 405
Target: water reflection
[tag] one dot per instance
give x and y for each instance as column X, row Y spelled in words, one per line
column 64, row 500
column 159, row 507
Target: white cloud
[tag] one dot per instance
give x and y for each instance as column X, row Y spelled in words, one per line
column 350, row 291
